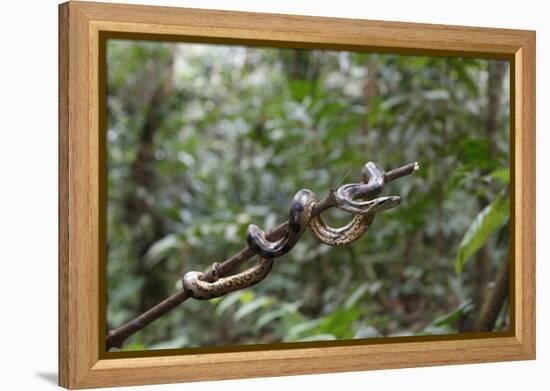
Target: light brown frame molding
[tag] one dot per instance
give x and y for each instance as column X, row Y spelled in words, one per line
column 82, row 363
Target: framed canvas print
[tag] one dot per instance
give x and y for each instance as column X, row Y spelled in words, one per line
column 281, row 191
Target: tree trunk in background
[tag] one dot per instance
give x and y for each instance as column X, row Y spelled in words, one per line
column 497, row 71
column 485, row 270
column 496, row 297
column 139, row 205
column 300, row 65
column 370, row 88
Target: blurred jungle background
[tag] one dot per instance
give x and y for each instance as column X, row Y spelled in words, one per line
column 203, row 140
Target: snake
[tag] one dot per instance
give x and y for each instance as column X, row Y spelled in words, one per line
column 373, row 183
column 196, row 286
column 343, row 235
column 299, row 216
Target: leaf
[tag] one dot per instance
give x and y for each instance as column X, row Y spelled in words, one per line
column 485, row 223
column 227, row 302
column 356, row 295
column 174, row 343
column 434, row 330
column 299, row 89
column 309, row 327
column 477, row 153
column 467, row 79
column 318, row 337
column 502, row 175
column 393, row 101
column 248, row 308
column 339, row 323
column 437, row 94
column 450, row 318
column 446, row 323
column 331, row 110
column 366, row 332
column 160, row 248
column 341, row 130
column 247, row 296
column 134, row 346
column 286, row 310
column 269, row 317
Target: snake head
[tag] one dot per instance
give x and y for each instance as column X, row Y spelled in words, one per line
column 385, row 203
column 254, row 235
column 190, row 280
column 214, row 273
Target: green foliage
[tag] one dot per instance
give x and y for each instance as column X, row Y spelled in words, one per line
column 203, row 140
column 446, row 323
column 487, row 222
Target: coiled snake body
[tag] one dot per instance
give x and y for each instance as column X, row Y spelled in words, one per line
column 198, row 288
column 300, row 217
column 374, row 178
column 341, row 236
column 301, row 212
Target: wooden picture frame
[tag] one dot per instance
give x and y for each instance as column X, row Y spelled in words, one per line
column 82, row 25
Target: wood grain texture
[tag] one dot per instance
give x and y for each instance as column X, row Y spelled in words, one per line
column 63, row 178
column 81, row 362
column 526, row 140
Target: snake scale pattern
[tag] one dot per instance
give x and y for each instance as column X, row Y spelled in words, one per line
column 355, row 198
column 198, row 288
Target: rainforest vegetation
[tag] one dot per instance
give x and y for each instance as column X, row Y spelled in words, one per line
column 203, row 140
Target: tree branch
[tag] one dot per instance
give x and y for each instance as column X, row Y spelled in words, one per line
column 115, row 338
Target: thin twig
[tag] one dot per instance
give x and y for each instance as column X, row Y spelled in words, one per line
column 115, row 338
